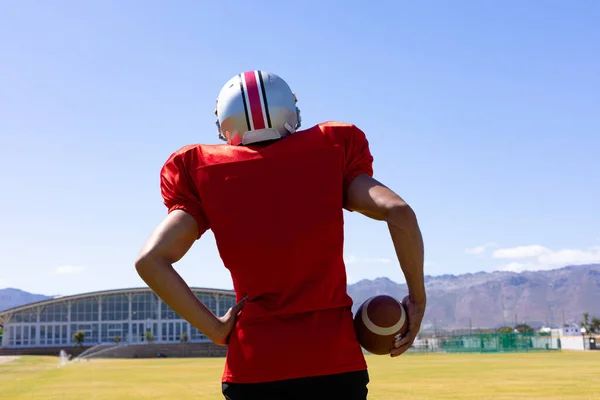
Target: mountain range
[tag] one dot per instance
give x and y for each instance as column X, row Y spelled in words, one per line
column 490, row 300
column 11, row 297
column 478, row 300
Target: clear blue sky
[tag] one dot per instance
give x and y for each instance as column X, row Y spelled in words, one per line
column 485, row 117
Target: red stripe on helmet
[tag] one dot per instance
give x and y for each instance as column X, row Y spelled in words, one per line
column 252, row 89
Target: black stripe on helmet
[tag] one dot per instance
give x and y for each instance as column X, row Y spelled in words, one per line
column 264, row 96
column 244, row 100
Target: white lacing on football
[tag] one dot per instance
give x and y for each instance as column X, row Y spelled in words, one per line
column 382, row 330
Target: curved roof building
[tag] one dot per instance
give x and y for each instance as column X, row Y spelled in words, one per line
column 126, row 315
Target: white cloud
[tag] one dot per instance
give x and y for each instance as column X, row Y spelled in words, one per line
column 540, row 258
column 69, row 270
column 480, row 249
column 570, row 256
column 516, row 253
column 518, row 267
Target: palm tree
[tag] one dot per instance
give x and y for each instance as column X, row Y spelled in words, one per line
column 78, row 338
column 591, row 327
column 184, row 339
column 149, row 337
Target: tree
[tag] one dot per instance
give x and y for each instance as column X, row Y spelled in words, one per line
column 149, row 337
column 505, row 329
column 184, row 340
column 524, row 328
column 78, row 338
column 117, row 339
column 591, row 327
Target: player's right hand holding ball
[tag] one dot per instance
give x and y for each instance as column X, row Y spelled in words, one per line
column 415, row 310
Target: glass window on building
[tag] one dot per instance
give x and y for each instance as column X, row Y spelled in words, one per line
column 141, row 329
column 196, row 335
column 32, row 335
column 167, row 312
column 208, row 299
column 225, row 303
column 163, row 332
column 111, row 331
column 25, row 335
column 53, row 334
column 43, row 335
column 125, row 331
column 18, row 335
column 173, row 331
column 115, row 307
column 49, row 334
column 12, row 336
column 25, row 316
column 58, row 334
column 84, row 310
column 90, row 332
column 55, row 313
column 144, row 306
column 64, row 339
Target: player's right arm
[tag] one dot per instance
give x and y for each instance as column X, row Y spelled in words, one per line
column 364, row 194
column 369, row 197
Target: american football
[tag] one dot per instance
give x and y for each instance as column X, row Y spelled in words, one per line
column 379, row 321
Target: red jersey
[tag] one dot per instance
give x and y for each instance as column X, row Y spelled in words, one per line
column 276, row 211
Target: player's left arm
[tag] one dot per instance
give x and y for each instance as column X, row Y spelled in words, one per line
column 170, row 241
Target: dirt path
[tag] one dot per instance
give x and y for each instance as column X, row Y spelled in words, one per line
column 6, row 359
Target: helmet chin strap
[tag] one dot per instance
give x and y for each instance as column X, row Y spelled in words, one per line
column 289, row 128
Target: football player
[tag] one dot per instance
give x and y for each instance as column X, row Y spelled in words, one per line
column 273, row 196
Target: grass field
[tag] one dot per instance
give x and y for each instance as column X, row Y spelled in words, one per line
column 546, row 376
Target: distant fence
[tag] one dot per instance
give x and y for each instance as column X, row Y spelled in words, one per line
column 488, row 343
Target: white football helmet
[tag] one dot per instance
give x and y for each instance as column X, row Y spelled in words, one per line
column 256, row 106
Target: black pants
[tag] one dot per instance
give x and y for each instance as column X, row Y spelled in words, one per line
column 347, row 386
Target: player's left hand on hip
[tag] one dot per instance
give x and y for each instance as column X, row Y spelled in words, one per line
column 415, row 312
column 227, row 322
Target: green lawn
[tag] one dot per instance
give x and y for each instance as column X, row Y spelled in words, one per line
column 548, row 376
